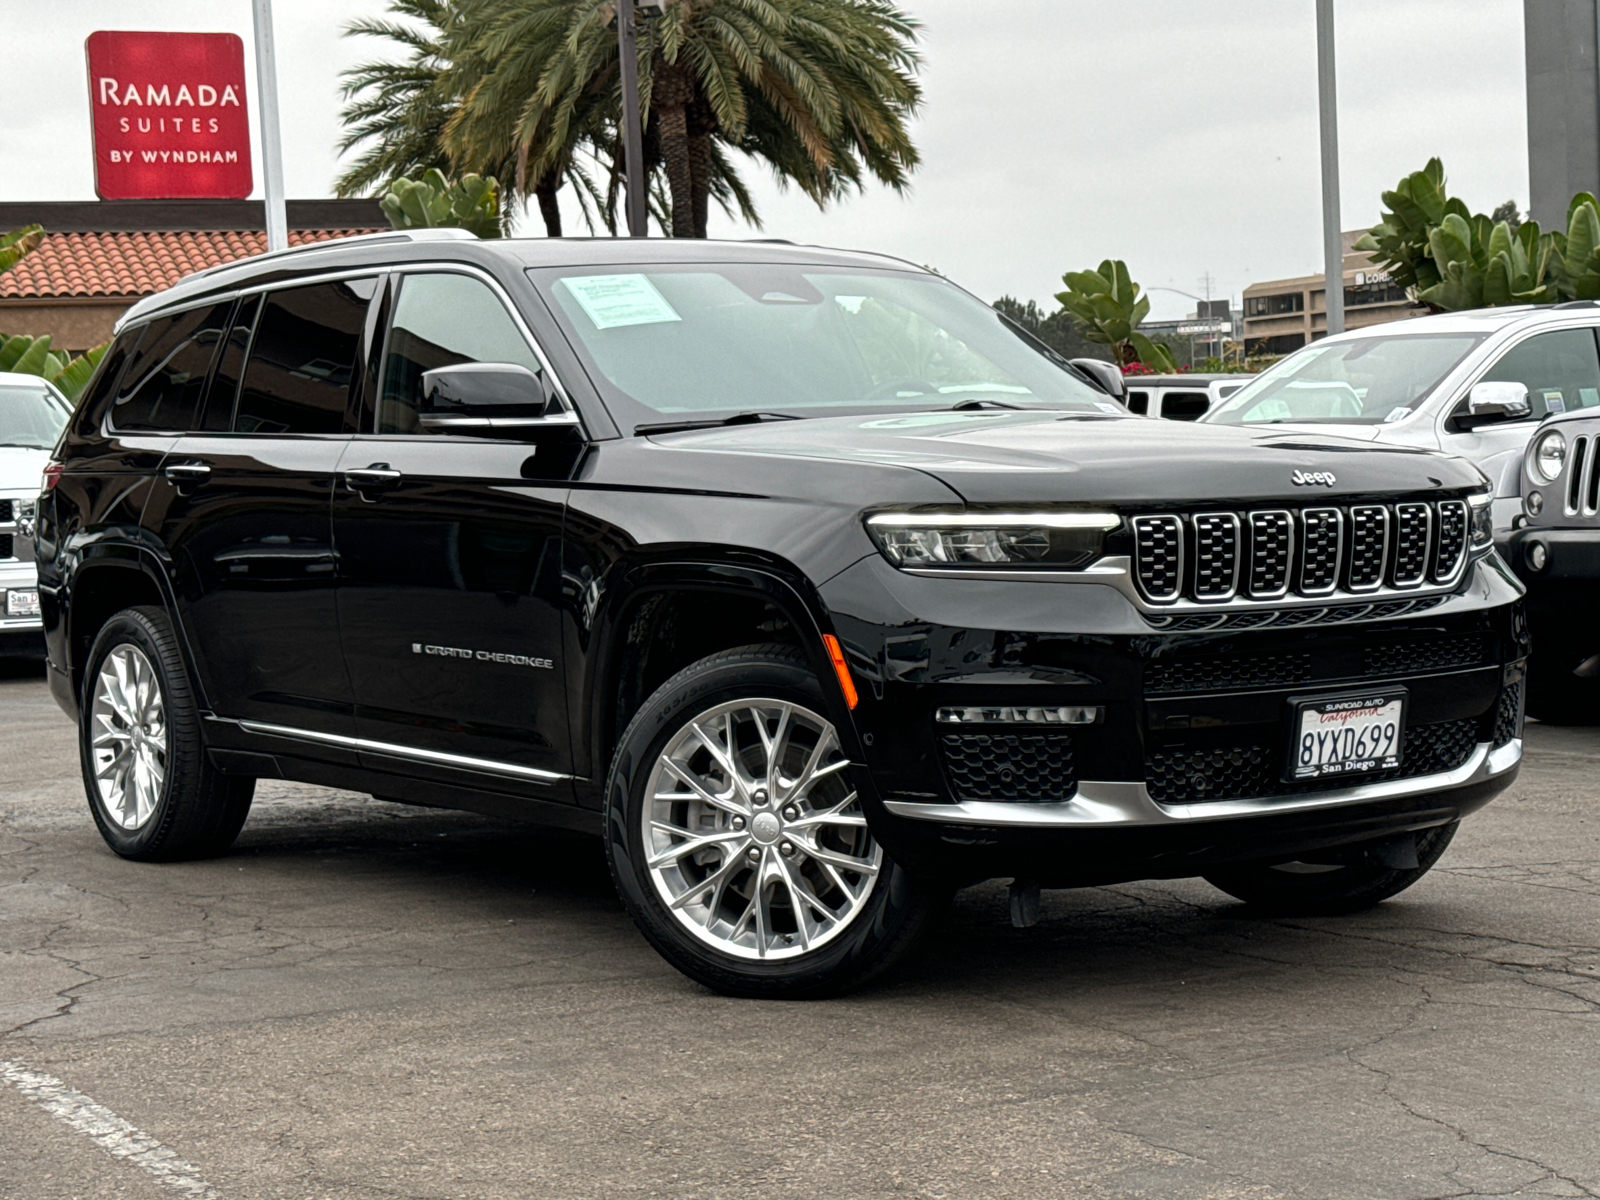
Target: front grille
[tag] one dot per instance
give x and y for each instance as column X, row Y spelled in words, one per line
column 1283, row 618
column 1575, row 474
column 1185, row 776
column 1508, row 715
column 1009, row 766
column 1213, row 557
column 1375, row 658
column 7, row 550
column 8, row 511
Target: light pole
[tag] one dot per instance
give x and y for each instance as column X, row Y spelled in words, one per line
column 1328, row 112
column 628, row 13
column 271, row 138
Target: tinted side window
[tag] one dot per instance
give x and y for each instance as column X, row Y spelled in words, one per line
column 303, row 359
column 218, row 417
column 103, row 384
column 1560, row 368
column 440, row 320
column 162, row 384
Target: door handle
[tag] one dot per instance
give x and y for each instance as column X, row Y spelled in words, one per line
column 376, row 478
column 187, row 472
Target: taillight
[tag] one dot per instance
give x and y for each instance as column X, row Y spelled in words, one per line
column 52, row 476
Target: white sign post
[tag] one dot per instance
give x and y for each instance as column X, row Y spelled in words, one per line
column 271, row 139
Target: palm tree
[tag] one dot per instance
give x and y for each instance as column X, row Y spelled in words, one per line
column 528, row 90
column 820, row 89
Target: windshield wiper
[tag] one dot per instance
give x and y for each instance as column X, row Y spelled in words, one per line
column 743, row 418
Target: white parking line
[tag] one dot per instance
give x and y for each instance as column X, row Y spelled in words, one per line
column 110, row 1130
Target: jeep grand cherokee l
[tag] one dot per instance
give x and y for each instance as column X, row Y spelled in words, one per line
column 802, row 577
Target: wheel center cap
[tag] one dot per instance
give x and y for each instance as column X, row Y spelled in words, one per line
column 765, row 828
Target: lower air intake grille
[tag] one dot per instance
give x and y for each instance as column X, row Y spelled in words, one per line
column 7, row 550
column 1508, row 715
column 8, row 511
column 1009, row 766
column 1184, row 776
column 1234, row 671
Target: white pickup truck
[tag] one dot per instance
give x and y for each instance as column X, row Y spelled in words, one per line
column 33, row 413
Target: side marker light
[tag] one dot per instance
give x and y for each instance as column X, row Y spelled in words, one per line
column 841, row 669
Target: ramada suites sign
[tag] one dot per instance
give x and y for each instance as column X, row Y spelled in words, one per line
column 169, row 116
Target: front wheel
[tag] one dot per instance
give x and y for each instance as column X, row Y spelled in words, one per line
column 1337, row 882
column 739, row 844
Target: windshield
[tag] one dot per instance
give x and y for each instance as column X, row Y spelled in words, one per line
column 31, row 415
column 710, row 340
column 1366, row 381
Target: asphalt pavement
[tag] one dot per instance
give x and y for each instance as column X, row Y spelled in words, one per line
column 365, row 1000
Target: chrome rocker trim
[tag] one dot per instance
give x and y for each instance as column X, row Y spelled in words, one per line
column 439, row 758
column 1109, row 803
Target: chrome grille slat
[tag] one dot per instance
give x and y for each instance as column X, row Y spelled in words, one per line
column 1271, row 553
column 1216, row 555
column 1354, row 558
column 1158, row 552
column 1413, row 530
column 1450, row 546
column 1369, row 547
column 1321, row 544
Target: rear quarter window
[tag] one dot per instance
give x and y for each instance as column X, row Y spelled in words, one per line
column 104, row 382
column 164, row 379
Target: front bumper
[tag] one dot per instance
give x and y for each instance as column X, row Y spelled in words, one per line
column 1183, row 766
column 1569, row 554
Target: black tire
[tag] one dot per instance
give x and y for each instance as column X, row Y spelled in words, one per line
column 1361, row 876
column 198, row 811
column 889, row 918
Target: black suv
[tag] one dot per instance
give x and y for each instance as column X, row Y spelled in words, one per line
column 803, row 577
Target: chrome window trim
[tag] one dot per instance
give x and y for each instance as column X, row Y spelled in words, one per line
column 1288, row 570
column 437, row 757
column 1128, row 803
column 1238, row 555
column 1338, row 553
column 393, row 270
column 1383, row 553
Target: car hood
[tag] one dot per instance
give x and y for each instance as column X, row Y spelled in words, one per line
column 1043, row 457
column 20, row 468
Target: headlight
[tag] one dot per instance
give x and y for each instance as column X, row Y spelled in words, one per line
column 1060, row 539
column 1481, row 505
column 1549, row 455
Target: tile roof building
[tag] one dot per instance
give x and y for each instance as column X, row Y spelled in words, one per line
column 98, row 257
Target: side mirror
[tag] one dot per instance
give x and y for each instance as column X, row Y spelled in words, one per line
column 1498, row 402
column 1106, row 374
column 480, row 397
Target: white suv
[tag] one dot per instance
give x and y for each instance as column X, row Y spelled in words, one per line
column 1475, row 384
column 32, row 414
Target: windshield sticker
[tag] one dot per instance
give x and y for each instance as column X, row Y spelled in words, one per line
column 1106, row 406
column 1398, row 414
column 1554, row 401
column 612, row 301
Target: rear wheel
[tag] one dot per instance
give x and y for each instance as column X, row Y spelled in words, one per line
column 738, row 842
column 1338, row 882
column 152, row 791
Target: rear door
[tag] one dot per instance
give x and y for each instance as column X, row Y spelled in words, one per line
column 450, row 559
column 242, row 506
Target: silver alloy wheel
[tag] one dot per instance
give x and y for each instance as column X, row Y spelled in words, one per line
column 128, row 730
column 754, row 837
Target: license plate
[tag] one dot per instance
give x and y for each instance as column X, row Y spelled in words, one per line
column 1351, row 734
column 20, row 603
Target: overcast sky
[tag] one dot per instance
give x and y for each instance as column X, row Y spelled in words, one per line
column 1181, row 137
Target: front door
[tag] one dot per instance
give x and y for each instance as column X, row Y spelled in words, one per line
column 243, row 508
column 450, row 562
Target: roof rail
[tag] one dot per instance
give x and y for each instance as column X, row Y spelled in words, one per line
column 393, row 235
column 1577, row 304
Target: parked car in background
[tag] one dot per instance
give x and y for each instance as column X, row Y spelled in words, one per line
column 33, row 412
column 1554, row 547
column 1475, row 384
column 1180, row 397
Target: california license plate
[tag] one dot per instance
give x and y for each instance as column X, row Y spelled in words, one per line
column 22, row 602
column 1349, row 734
